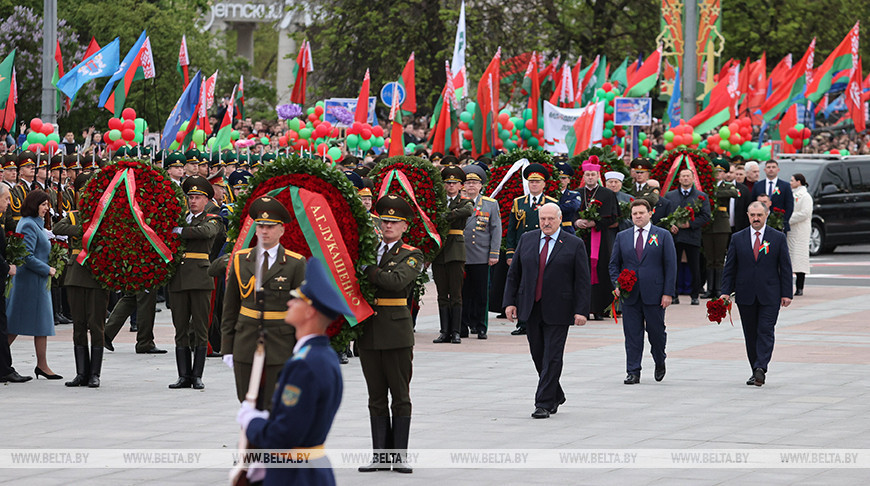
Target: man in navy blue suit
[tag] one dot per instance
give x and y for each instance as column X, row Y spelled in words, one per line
column 309, row 389
column 548, row 287
column 648, row 251
column 759, row 269
column 777, row 189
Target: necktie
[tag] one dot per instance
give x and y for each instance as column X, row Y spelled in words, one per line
column 769, row 188
column 638, row 245
column 265, row 267
column 542, row 262
column 534, row 201
column 685, row 193
column 756, row 248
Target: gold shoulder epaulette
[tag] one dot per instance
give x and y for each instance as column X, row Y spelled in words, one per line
column 408, row 247
column 293, row 254
column 487, row 198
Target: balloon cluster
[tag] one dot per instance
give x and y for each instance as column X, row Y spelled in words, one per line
column 838, row 152
column 645, row 145
column 42, row 137
column 607, row 93
column 736, row 139
column 681, row 136
column 798, row 136
column 532, row 136
column 127, row 130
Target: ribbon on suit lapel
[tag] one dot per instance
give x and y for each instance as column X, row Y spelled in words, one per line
column 127, row 177
column 675, row 170
column 405, row 184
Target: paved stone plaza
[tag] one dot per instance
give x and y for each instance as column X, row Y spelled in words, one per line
column 479, row 396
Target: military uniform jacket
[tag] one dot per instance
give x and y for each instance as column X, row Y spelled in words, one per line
column 391, row 326
column 483, row 232
column 571, row 203
column 75, row 275
column 16, row 200
column 240, row 327
column 720, row 215
column 453, row 249
column 523, row 218
column 198, row 236
column 645, row 190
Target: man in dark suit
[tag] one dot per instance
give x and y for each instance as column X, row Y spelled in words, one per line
column 548, row 288
column 649, row 252
column 687, row 237
column 758, row 259
column 738, row 205
column 778, row 190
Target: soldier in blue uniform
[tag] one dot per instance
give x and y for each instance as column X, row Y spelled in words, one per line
column 309, row 389
column 571, row 201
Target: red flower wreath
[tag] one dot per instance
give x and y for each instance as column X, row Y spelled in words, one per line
column 120, row 256
column 513, row 188
column 607, row 159
column 702, row 164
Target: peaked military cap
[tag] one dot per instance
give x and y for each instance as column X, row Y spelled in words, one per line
column 452, row 173
column 268, row 211
column 197, row 185
column 393, row 208
column 536, row 172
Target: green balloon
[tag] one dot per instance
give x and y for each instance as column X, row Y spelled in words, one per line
column 724, row 133
column 799, row 127
column 734, row 148
column 199, row 136
column 525, row 133
column 54, row 137
column 210, row 143
column 293, row 124
column 184, row 125
column 377, row 141
column 465, row 116
column 724, row 144
column 607, row 133
column 140, row 124
column 139, row 137
column 40, row 138
column 321, row 104
column 470, row 107
column 466, row 144
column 610, row 95
column 505, row 111
column 174, row 145
column 533, row 142
column 608, row 109
column 669, row 136
column 504, row 134
column 527, row 114
column 510, row 145
column 365, row 145
column 600, row 93
column 352, row 141
column 644, row 151
column 696, row 138
column 609, row 124
column 334, row 152
column 114, row 134
column 27, row 144
column 310, row 111
column 234, row 135
column 264, row 140
column 642, row 137
column 305, row 133
column 844, row 152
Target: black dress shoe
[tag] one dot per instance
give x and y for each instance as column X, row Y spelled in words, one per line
column 751, row 381
column 463, row 334
column 660, row 372
column 676, row 300
column 541, row 413
column 759, row 376
column 799, row 292
column 706, row 295
column 518, row 332
column 632, row 379
column 108, row 345
column 472, row 330
column 556, row 406
column 442, row 338
column 481, row 335
column 455, row 339
column 695, row 301
column 342, row 358
column 38, row 372
column 14, row 377
column 134, row 328
column 154, row 350
column 59, row 318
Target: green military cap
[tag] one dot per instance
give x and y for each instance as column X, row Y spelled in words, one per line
column 9, row 161
column 41, row 160
column 721, row 163
column 436, row 157
column 121, row 152
column 268, row 157
column 92, row 162
column 254, row 160
column 56, row 162
column 174, row 159
column 452, row 173
column 268, row 211
column 192, row 156
column 73, row 161
column 450, row 160
column 197, row 185
column 215, row 160
column 641, row 163
column 536, row 172
column 26, row 157
column 81, row 180
column 393, row 208
column 230, row 158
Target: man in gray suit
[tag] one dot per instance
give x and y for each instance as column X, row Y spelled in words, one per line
column 482, row 244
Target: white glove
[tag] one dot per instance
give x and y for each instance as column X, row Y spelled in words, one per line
column 256, row 472
column 49, row 234
column 228, row 359
column 177, row 230
column 247, row 412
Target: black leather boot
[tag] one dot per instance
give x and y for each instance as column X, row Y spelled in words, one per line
column 96, row 366
column 182, row 362
column 717, row 283
column 455, row 323
column 444, row 316
column 380, row 432
column 401, row 430
column 710, row 278
column 82, row 367
column 198, row 366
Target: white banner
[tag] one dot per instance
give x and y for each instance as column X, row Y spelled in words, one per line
column 558, row 122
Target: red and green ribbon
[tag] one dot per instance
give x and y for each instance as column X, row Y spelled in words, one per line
column 675, row 170
column 405, row 184
column 128, row 178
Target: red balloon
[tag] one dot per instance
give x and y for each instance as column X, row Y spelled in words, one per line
column 835, row 151
column 793, row 132
column 179, row 137
column 115, row 124
column 47, row 128
column 35, row 147
column 128, row 114
column 734, row 127
column 322, row 148
column 320, row 131
column 467, row 134
column 669, row 145
column 36, row 125
column 336, row 132
column 128, row 135
column 530, row 124
column 503, row 118
column 51, row 146
column 292, row 134
column 312, row 117
column 805, row 133
column 607, row 87
column 318, row 110
column 378, row 131
column 366, row 133
column 128, row 125
column 303, row 143
column 797, row 144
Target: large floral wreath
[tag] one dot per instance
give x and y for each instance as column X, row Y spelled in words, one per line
column 129, row 243
column 674, row 159
column 350, row 215
column 513, row 188
column 429, row 193
column 607, row 159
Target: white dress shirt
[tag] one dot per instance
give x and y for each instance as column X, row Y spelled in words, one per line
column 552, row 243
column 646, row 229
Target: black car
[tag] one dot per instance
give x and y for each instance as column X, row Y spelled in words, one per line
column 840, row 187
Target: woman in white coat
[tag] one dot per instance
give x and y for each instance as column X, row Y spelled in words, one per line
column 799, row 235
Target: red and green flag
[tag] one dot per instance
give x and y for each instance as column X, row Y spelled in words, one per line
column 240, row 99
column 532, row 89
column 854, row 100
column 183, row 62
column 485, row 133
column 620, row 75
column 409, row 106
column 595, row 78
column 844, row 58
column 304, row 65
column 362, row 101
column 791, row 87
column 397, row 141
column 8, row 92
column 222, row 138
column 646, row 76
column 584, row 76
column 721, row 109
column 563, row 95
column 141, row 66
column 757, row 89
column 62, row 101
column 445, row 136
column 789, row 120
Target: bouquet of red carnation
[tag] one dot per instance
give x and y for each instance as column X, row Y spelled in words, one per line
column 15, row 254
column 681, row 215
column 717, row 309
column 625, row 283
column 591, row 213
column 776, row 218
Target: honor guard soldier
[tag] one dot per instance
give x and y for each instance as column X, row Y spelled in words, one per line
column 190, row 287
column 571, row 201
column 281, row 271
column 88, row 301
column 524, row 217
column 482, row 245
column 386, row 347
column 716, row 235
column 191, row 163
column 309, row 390
column 73, row 169
column 174, row 163
column 26, row 174
column 449, row 265
column 231, row 163
column 640, row 170
column 10, row 169
column 238, row 182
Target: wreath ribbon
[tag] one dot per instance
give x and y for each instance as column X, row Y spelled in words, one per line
column 127, row 177
column 405, row 184
column 674, row 170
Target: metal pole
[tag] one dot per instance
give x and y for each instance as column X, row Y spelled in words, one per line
column 690, row 59
column 49, row 44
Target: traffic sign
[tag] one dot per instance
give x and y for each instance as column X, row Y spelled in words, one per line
column 387, row 93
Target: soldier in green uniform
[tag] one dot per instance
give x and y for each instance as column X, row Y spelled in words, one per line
column 191, row 163
column 190, row 287
column 524, row 217
column 716, row 235
column 281, row 272
column 448, row 268
column 10, row 169
column 87, row 299
column 26, row 174
column 640, row 170
column 174, row 163
column 386, row 347
column 73, row 169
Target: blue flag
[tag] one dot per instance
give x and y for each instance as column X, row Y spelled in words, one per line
column 837, row 105
column 122, row 69
column 183, row 111
column 101, row 64
column 675, row 107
